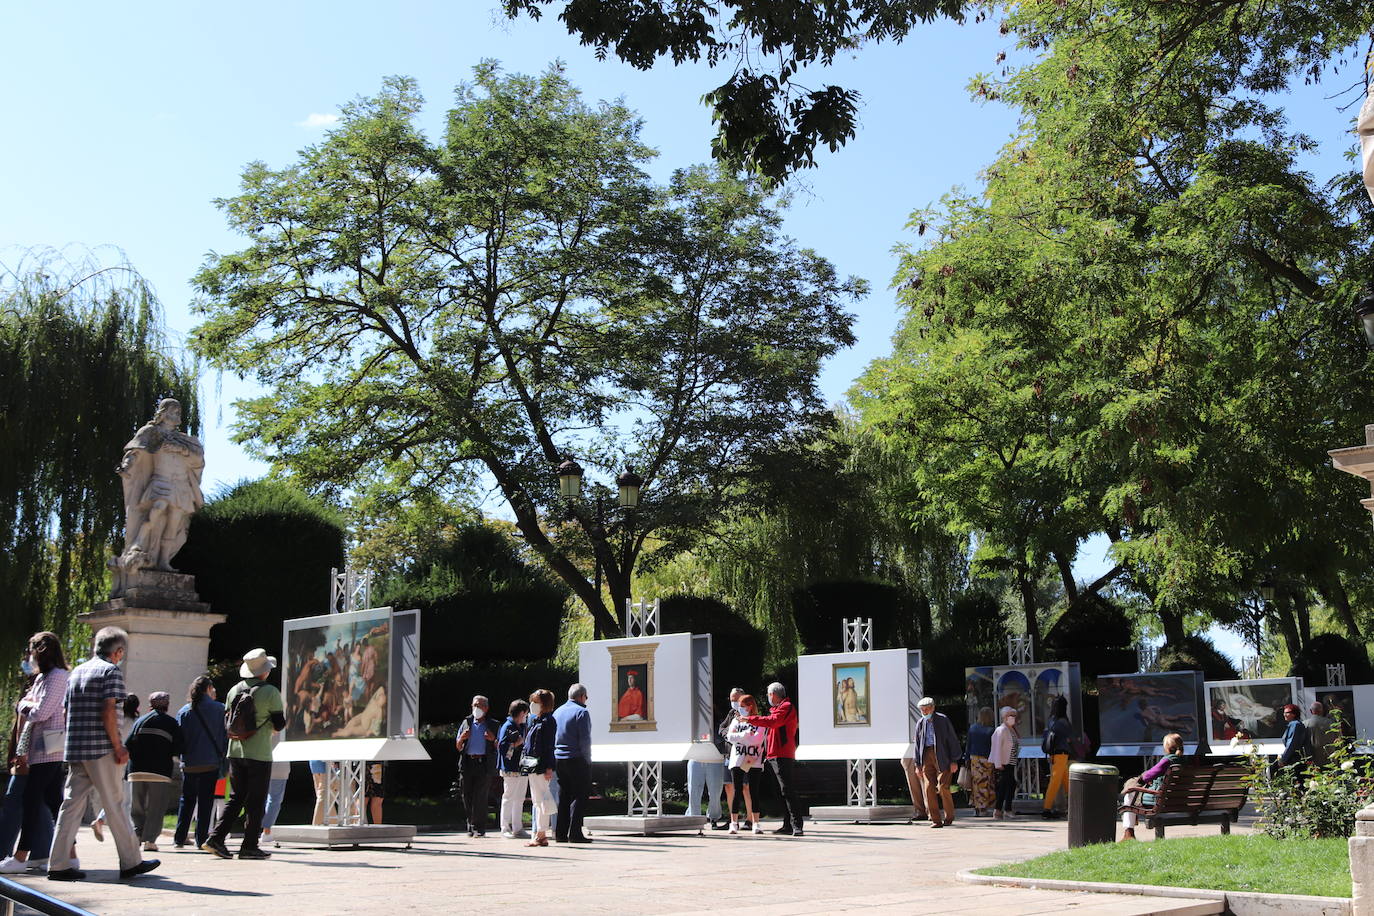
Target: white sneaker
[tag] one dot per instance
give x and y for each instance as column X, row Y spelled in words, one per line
column 38, row 865
column 734, row 828
column 758, row 829
column 506, row 834
column 12, row 866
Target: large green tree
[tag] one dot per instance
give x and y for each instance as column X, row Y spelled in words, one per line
column 83, row 361
column 1140, row 326
column 476, row 309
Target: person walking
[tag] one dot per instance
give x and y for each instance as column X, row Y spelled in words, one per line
column 1006, row 748
column 748, row 747
column 938, row 750
column 96, row 755
column 537, row 761
column 781, row 752
column 276, row 789
column 477, row 742
column 126, row 722
column 515, row 784
column 978, row 750
column 572, row 753
column 153, row 743
column 250, row 756
column 35, row 788
column 205, row 745
column 1055, row 745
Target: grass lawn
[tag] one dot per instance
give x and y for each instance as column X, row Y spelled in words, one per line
column 1227, row 863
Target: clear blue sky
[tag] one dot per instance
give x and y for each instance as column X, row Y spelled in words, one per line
column 127, row 121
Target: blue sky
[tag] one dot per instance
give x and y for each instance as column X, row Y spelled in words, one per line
column 126, row 121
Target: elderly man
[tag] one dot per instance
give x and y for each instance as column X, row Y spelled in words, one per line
column 572, row 755
column 154, row 740
column 1322, row 732
column 780, row 754
column 937, row 749
column 95, row 759
column 477, row 741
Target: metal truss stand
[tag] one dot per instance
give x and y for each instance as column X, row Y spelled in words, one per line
column 1335, row 675
column 1021, row 651
column 861, row 775
column 641, row 618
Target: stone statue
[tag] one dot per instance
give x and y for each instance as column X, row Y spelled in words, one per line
column 1365, row 128
column 161, row 471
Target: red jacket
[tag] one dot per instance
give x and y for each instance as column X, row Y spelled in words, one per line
column 782, row 729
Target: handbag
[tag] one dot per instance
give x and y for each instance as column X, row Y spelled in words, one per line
column 965, row 779
column 529, row 765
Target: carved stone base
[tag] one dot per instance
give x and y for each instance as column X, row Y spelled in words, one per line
column 168, row 648
column 1362, row 863
column 151, row 588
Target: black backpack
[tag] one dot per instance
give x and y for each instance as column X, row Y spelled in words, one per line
column 241, row 718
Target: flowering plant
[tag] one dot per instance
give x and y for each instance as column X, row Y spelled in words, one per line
column 1308, row 799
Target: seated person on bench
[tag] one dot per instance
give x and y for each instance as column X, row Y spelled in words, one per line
column 1134, row 791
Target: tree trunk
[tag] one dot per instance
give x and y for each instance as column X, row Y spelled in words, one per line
column 1288, row 627
column 1172, row 622
column 1334, row 594
column 1027, row 588
column 1066, row 575
column 1302, row 610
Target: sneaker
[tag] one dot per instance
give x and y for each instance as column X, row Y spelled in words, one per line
column 734, row 828
column 507, row 835
column 217, row 847
column 254, row 853
column 150, row 847
column 758, row 830
column 12, row 866
column 41, row 865
column 720, row 825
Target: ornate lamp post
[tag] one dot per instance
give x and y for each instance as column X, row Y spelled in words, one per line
column 629, row 485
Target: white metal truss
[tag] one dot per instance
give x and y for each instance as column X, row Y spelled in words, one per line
column 1335, row 675
column 645, row 779
column 1028, row 778
column 862, row 776
column 1020, row 650
column 344, row 788
column 858, row 634
column 1251, row 668
column 349, row 590
column 1146, row 657
column 641, row 618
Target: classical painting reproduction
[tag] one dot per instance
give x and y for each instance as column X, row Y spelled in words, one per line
column 632, row 677
column 1014, row 690
column 1143, row 708
column 1248, row 709
column 978, row 691
column 1340, row 705
column 850, row 694
column 336, row 677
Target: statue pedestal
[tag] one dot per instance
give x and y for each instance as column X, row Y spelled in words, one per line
column 1362, row 863
column 169, row 632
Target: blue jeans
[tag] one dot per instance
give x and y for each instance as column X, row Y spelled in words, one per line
column 712, row 776
column 29, row 805
column 197, row 798
column 12, row 814
column 276, row 790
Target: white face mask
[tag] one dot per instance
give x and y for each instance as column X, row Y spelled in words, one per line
column 27, row 667
column 478, row 712
column 736, row 706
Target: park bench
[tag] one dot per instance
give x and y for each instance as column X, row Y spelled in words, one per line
column 1195, row 795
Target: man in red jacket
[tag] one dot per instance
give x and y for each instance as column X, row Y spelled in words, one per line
column 781, row 753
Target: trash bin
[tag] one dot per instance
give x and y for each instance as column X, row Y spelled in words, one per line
column 1093, row 793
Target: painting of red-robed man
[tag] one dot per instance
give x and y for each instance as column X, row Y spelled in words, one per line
column 632, row 704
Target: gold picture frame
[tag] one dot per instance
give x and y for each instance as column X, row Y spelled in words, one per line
column 632, row 687
column 851, row 702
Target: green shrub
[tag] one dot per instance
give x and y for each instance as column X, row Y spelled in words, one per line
column 737, row 646
column 1307, row 800
column 1330, row 649
column 820, row 608
column 1196, row 653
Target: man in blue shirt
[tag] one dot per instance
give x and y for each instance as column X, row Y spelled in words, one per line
column 476, row 755
column 572, row 752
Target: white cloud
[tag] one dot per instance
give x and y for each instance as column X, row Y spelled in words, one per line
column 315, row 119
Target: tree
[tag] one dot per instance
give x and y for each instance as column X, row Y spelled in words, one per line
column 478, row 309
column 767, row 119
column 83, row 361
column 1138, row 327
column 261, row 552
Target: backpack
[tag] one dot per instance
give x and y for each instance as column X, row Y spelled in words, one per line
column 241, row 718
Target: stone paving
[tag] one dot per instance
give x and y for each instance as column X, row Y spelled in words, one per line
column 835, row 868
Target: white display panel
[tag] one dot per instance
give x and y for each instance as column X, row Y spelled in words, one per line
column 641, row 693
column 1252, row 706
column 872, row 720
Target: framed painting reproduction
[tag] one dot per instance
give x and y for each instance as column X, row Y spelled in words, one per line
column 850, row 694
column 632, row 687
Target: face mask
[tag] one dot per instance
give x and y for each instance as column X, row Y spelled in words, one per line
column 27, row 667
column 478, row 712
column 737, row 707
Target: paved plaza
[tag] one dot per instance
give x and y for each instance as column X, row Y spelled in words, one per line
column 887, row 868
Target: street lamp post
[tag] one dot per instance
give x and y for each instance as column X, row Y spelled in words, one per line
column 629, row 488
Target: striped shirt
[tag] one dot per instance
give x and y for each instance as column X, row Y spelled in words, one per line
column 90, row 686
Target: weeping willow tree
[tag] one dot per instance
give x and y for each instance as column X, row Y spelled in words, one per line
column 83, row 360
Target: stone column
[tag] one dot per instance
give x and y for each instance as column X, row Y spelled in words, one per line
column 1362, row 863
column 169, row 632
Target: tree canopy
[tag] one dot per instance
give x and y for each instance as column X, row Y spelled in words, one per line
column 436, row 316
column 83, row 361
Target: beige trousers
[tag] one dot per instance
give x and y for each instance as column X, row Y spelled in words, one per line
column 105, row 778
column 914, row 785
